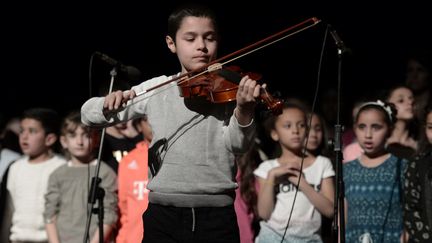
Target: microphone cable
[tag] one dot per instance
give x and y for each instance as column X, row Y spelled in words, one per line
column 90, row 76
column 308, row 128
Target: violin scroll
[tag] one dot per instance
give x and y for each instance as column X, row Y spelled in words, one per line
column 273, row 104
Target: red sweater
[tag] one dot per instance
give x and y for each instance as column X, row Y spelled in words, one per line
column 133, row 193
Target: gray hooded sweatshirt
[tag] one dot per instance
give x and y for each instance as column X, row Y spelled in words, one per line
column 198, row 165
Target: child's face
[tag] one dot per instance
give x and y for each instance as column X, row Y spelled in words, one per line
column 32, row 138
column 79, row 143
column 416, row 76
column 403, row 99
column 371, row 131
column 195, row 43
column 146, row 130
column 315, row 134
column 290, row 129
column 429, row 127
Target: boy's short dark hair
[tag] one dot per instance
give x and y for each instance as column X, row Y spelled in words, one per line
column 49, row 119
column 188, row 10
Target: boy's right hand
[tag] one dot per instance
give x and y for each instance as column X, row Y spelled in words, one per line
column 117, row 99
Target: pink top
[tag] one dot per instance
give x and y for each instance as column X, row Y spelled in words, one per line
column 348, row 137
column 352, row 152
column 244, row 219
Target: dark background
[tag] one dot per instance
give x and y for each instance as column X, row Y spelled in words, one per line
column 46, row 50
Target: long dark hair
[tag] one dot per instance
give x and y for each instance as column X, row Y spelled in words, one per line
column 424, row 145
column 323, row 148
column 247, row 163
column 412, row 125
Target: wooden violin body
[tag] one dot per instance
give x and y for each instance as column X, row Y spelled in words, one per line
column 220, row 86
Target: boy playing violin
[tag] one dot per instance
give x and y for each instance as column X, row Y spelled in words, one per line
column 191, row 197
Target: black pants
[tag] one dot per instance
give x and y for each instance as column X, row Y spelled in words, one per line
column 166, row 224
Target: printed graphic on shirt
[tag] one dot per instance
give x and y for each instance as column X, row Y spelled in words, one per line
column 133, row 165
column 287, row 186
column 139, row 189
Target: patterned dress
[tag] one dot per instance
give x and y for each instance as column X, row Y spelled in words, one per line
column 418, row 194
column 374, row 200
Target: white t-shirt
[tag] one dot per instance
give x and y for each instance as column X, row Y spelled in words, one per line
column 27, row 185
column 305, row 219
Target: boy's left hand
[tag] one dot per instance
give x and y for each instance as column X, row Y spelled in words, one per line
column 247, row 93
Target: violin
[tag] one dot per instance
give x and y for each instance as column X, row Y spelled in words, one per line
column 221, row 85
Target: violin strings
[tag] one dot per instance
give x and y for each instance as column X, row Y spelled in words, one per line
column 139, row 99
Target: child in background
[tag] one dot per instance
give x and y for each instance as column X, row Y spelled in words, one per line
column 316, row 144
column 418, row 188
column 121, row 137
column 246, row 194
column 374, row 181
column 119, row 140
column 293, row 172
column 418, row 77
column 403, row 140
column 318, row 136
column 66, row 199
column 28, row 176
column 7, row 154
column 132, row 184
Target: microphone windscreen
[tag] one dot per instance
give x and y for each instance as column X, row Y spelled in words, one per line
column 133, row 73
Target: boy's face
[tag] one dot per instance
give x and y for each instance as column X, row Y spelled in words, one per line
column 33, row 139
column 79, row 144
column 195, row 43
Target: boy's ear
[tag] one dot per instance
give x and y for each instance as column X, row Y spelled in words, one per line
column 274, row 135
column 171, row 44
column 50, row 139
column 63, row 141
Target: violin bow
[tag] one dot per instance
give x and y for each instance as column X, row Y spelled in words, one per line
column 217, row 64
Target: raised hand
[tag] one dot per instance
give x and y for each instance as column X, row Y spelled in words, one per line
column 247, row 93
column 117, row 99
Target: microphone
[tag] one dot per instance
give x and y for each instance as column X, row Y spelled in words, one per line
column 131, row 72
column 339, row 43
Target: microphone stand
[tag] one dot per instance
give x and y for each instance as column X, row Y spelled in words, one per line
column 338, row 230
column 97, row 192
